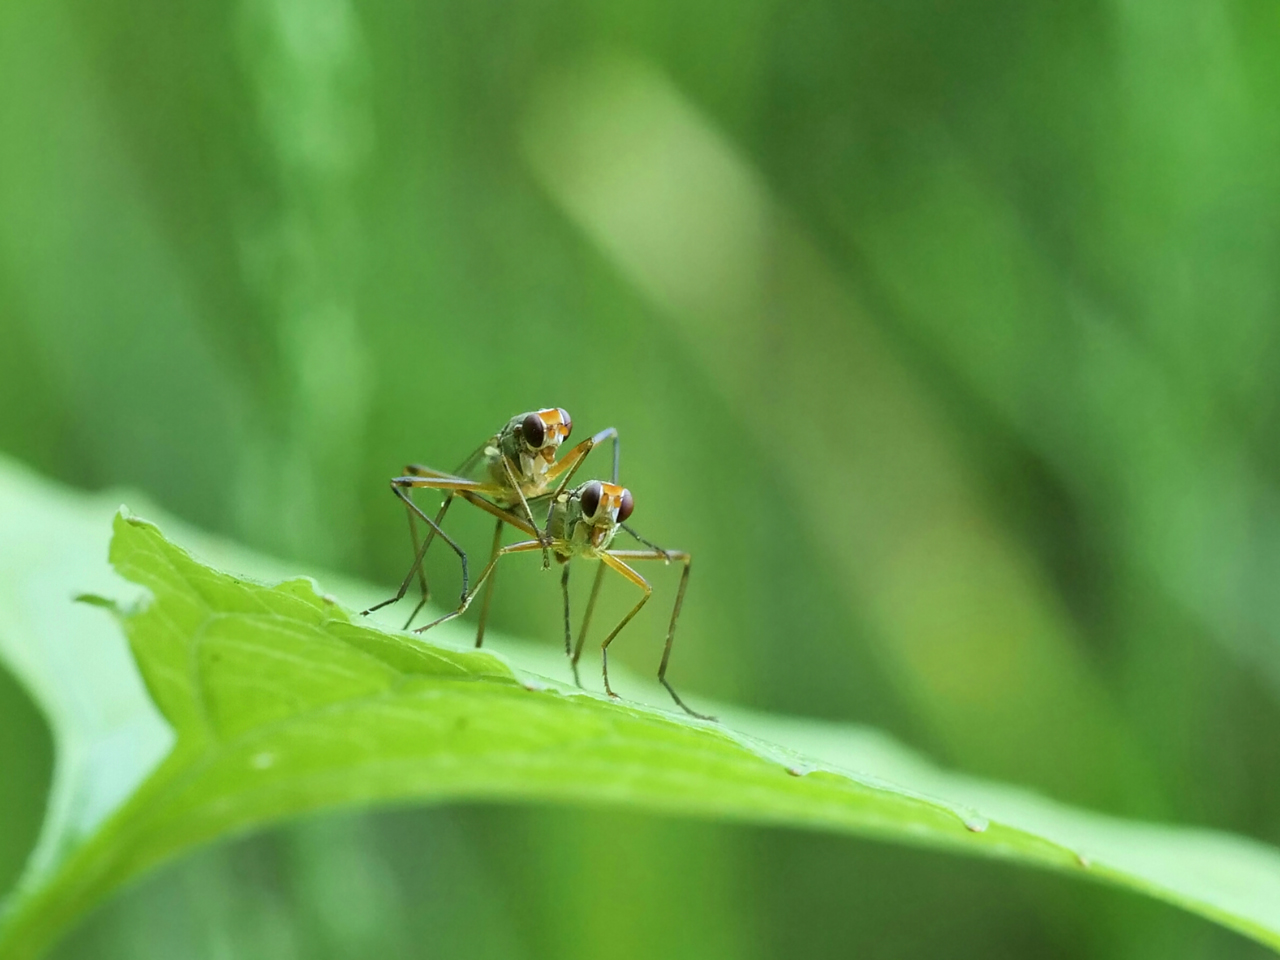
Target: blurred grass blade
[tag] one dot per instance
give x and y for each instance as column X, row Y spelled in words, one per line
column 689, row 221
column 281, row 705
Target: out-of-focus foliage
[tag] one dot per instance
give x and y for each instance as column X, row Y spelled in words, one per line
column 968, row 417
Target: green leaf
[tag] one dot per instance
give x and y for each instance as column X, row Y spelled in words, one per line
column 281, row 702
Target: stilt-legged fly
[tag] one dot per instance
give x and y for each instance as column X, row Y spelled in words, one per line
column 513, row 467
column 583, row 523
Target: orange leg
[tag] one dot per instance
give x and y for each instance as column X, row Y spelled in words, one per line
column 572, row 460
column 615, row 559
column 616, row 564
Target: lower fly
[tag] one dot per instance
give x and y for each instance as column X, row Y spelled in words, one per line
column 583, row 523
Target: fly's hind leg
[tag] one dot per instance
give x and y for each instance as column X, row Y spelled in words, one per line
column 568, row 630
column 503, row 517
column 667, row 556
column 488, row 587
column 419, row 552
column 451, row 486
column 419, row 558
column 522, row 547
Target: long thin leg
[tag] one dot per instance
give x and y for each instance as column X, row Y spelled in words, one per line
column 426, row 477
column 459, row 483
column 541, row 534
column 687, row 560
column 470, row 490
column 475, row 455
column 504, row 516
column 419, row 551
column 419, row 555
column 586, row 621
column 568, row 630
column 522, row 547
column 398, row 489
column 640, row 582
column 431, row 473
column 648, row 543
column 488, row 587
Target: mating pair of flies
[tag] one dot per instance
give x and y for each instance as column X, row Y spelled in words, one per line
column 513, row 469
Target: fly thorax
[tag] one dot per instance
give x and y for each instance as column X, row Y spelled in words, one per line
column 582, row 535
column 558, row 520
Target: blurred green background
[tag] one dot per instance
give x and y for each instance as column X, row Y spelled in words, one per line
column 943, row 335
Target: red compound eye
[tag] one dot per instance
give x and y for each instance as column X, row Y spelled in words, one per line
column 628, row 504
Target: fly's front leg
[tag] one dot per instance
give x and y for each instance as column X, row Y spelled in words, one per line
column 666, row 555
column 572, row 460
column 680, row 557
column 541, row 534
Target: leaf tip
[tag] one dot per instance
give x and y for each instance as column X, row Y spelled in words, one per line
column 126, row 516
